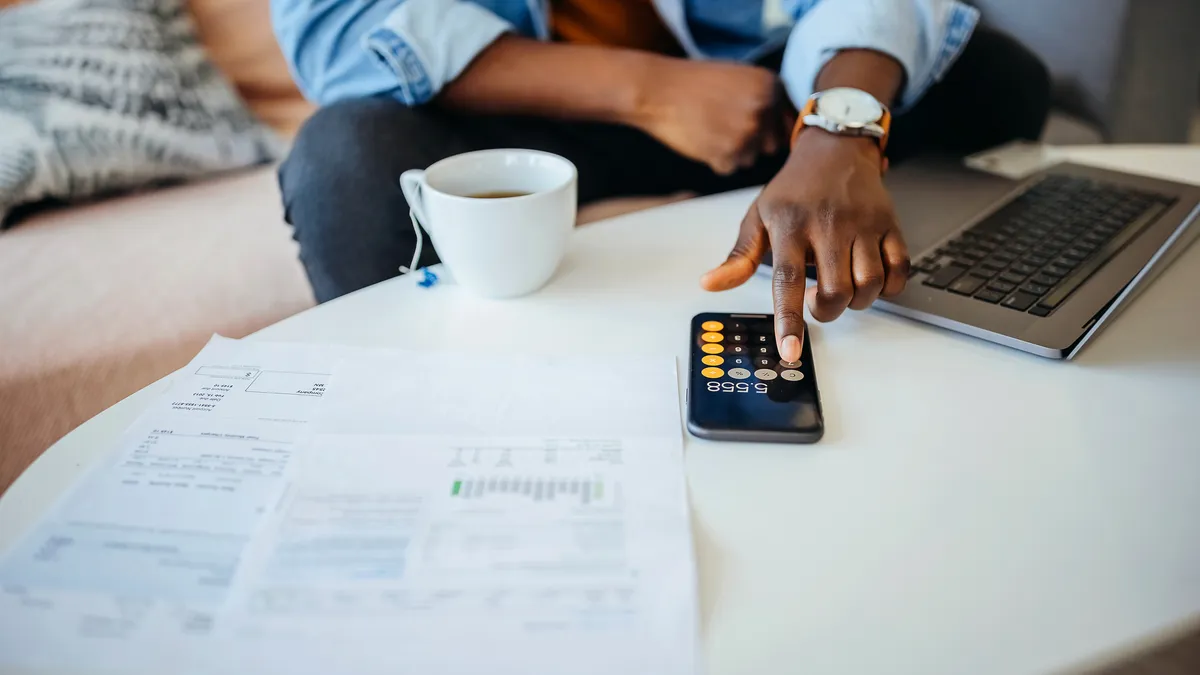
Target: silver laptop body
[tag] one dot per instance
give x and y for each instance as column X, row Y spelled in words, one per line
column 938, row 199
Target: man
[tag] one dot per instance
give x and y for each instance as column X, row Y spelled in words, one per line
column 649, row 97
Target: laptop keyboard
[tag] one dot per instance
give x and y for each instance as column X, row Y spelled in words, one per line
column 1035, row 251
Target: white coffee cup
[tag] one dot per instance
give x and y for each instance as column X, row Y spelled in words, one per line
column 497, row 247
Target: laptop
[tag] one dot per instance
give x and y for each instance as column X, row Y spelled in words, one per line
column 1040, row 264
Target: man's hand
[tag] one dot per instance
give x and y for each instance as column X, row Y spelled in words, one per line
column 827, row 205
column 723, row 114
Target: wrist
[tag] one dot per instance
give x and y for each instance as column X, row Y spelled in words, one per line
column 874, row 72
column 814, row 141
column 642, row 105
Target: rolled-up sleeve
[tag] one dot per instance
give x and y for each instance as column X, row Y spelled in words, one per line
column 408, row 49
column 924, row 36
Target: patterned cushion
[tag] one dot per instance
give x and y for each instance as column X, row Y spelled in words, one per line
column 100, row 96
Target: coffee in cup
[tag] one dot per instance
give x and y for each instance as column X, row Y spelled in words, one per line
column 498, row 194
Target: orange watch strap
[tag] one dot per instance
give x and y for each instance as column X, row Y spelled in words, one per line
column 886, row 123
column 809, row 107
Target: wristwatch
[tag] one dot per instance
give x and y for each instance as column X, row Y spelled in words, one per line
column 848, row 112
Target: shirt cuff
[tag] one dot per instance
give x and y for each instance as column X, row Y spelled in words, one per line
column 428, row 43
column 924, row 36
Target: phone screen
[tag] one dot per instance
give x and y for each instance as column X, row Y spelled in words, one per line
column 740, row 390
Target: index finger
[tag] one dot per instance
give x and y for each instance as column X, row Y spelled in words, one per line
column 787, row 285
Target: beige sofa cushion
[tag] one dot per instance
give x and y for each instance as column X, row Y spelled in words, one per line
column 100, row 300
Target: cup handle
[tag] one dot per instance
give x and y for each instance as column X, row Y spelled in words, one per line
column 411, row 184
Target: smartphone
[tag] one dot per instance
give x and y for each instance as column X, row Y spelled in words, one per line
column 740, row 390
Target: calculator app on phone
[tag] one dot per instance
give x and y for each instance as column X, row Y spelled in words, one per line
column 739, row 389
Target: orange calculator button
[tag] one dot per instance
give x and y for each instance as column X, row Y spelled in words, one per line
column 712, row 360
column 712, row 373
column 711, row 348
column 712, row 325
column 712, row 337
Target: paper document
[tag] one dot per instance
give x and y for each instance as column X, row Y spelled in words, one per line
column 308, row 509
column 515, row 515
column 404, row 554
column 143, row 549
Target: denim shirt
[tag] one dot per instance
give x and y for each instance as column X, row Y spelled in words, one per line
column 410, row 49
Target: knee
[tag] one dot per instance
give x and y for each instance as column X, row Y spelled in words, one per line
column 345, row 161
column 340, row 193
column 341, row 140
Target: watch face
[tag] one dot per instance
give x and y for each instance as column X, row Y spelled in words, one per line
column 851, row 107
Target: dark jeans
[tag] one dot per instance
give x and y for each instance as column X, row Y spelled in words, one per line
column 340, row 190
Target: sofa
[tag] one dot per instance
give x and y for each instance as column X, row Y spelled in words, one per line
column 99, row 300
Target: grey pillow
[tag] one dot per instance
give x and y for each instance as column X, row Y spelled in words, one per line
column 99, row 96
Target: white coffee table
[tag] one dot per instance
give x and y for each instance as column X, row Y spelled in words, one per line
column 971, row 509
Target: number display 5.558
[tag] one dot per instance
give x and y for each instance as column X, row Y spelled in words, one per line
column 738, row 387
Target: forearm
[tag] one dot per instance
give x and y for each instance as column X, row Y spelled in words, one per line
column 873, row 72
column 519, row 76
